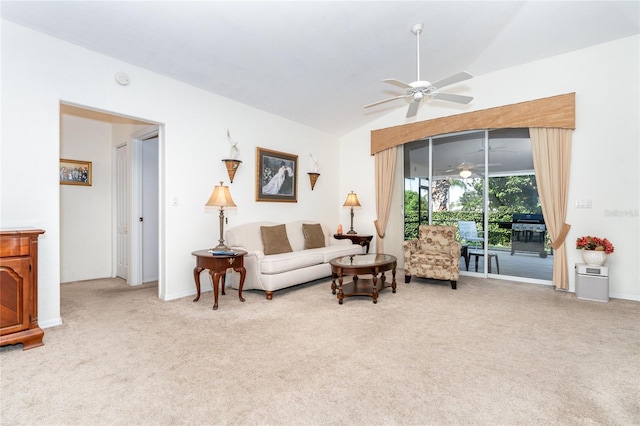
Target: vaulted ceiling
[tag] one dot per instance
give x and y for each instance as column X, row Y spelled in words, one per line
column 319, row 62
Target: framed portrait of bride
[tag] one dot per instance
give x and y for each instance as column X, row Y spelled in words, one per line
column 276, row 176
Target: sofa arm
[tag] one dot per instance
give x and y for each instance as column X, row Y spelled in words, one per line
column 336, row 242
column 256, row 253
column 455, row 250
column 251, row 264
column 409, row 246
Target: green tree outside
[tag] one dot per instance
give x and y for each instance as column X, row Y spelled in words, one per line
column 507, row 195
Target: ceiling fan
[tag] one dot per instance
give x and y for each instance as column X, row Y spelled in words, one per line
column 465, row 169
column 421, row 88
column 492, row 148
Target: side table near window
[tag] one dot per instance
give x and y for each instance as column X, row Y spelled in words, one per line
column 363, row 240
column 217, row 264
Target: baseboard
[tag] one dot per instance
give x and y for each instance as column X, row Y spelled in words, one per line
column 624, row 296
column 186, row 293
column 50, row 323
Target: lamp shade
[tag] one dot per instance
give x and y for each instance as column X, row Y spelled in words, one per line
column 465, row 173
column 220, row 197
column 352, row 200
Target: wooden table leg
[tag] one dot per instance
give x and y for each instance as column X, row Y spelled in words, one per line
column 196, row 276
column 393, row 281
column 374, row 294
column 215, row 280
column 243, row 272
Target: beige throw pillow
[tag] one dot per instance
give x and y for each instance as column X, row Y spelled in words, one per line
column 313, row 235
column 275, row 240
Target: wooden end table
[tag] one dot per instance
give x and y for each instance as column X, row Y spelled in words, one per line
column 217, row 264
column 361, row 264
column 363, row 240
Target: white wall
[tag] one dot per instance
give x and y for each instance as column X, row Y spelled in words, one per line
column 86, row 211
column 605, row 153
column 38, row 72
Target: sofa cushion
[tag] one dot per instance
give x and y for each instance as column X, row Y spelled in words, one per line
column 283, row 262
column 313, row 235
column 274, row 239
column 338, row 250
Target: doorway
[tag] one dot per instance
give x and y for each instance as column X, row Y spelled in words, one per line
column 96, row 221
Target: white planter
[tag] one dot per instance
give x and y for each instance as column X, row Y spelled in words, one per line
column 594, row 258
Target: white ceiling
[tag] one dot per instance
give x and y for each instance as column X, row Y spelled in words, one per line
column 319, row 62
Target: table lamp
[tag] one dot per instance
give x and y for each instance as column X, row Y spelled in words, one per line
column 221, row 198
column 352, row 201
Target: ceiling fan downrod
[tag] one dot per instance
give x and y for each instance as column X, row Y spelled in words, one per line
column 417, row 29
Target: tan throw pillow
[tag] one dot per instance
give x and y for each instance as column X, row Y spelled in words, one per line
column 313, row 235
column 275, row 240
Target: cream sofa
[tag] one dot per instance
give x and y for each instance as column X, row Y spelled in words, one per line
column 272, row 272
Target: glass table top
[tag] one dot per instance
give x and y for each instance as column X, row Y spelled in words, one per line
column 363, row 260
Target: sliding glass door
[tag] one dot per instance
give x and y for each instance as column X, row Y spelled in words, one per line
column 482, row 183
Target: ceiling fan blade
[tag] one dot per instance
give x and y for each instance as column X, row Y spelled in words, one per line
column 452, row 80
column 413, row 108
column 398, row 83
column 452, row 98
column 386, row 100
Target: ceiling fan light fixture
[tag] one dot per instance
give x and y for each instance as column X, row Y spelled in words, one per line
column 464, row 174
column 423, row 88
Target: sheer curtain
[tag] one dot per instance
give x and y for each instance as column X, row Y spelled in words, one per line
column 551, row 148
column 385, row 166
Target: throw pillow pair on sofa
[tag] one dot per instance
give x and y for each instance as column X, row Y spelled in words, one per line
column 276, row 241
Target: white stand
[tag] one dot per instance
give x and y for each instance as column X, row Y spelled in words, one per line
column 592, row 282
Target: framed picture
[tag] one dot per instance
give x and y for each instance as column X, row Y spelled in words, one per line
column 74, row 172
column 276, row 176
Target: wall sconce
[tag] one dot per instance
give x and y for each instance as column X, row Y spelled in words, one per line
column 232, row 166
column 315, row 174
column 313, row 178
column 352, row 201
column 221, row 197
column 232, row 162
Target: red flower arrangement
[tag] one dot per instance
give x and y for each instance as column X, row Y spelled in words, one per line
column 594, row 243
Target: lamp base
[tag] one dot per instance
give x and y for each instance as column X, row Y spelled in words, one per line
column 221, row 247
column 351, row 232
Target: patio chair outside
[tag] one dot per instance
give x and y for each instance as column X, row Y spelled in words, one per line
column 470, row 235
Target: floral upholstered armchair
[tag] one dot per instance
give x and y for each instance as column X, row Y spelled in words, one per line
column 435, row 254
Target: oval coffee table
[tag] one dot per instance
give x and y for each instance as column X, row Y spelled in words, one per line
column 362, row 264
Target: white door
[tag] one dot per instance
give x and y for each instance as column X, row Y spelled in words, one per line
column 122, row 213
column 149, row 216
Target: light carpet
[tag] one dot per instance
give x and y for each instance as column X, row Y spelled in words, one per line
column 490, row 353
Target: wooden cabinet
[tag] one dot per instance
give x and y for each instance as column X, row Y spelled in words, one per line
column 19, row 288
